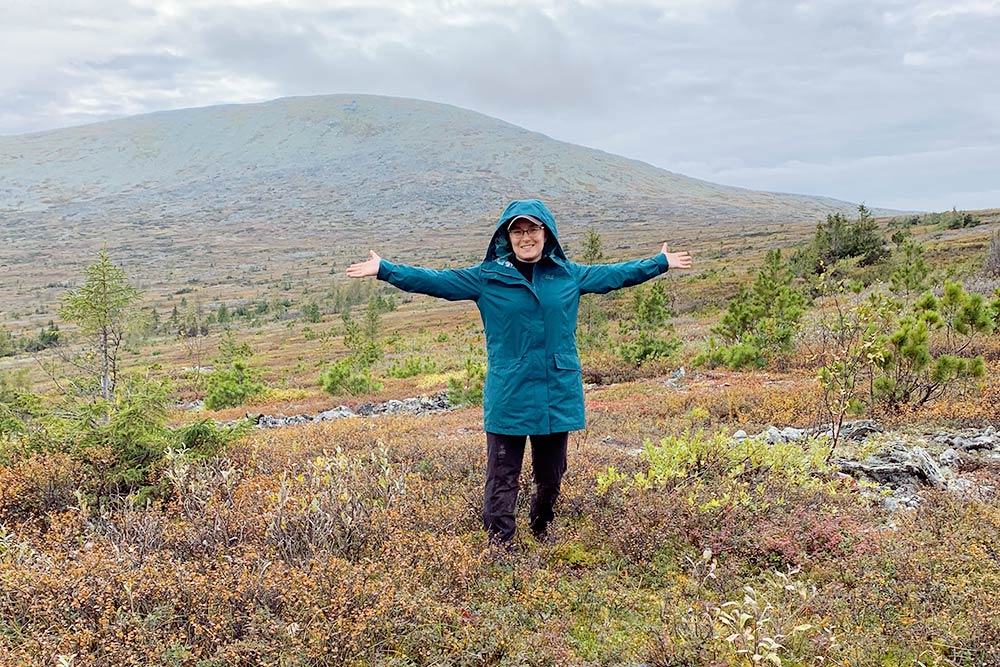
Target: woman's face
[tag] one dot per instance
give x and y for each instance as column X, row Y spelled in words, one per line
column 528, row 240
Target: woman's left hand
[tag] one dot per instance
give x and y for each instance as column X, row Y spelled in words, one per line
column 677, row 260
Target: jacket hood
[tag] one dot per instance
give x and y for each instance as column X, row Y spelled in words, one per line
column 499, row 248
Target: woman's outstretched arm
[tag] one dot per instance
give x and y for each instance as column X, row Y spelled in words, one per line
column 451, row 284
column 602, row 278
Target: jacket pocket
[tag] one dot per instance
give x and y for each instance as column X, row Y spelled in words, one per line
column 567, row 362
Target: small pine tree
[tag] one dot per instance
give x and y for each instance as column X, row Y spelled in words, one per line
column 103, row 308
column 647, row 334
column 233, row 381
column 760, row 321
column 6, row 342
column 311, row 313
column 592, row 319
column 838, row 238
column 911, row 272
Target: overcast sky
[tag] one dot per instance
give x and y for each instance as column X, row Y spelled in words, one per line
column 892, row 102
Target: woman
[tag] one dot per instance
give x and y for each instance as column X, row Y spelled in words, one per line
column 528, row 293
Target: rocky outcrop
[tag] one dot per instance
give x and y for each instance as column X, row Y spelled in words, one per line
column 896, row 473
column 411, row 406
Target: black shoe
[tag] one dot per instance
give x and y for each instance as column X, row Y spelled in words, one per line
column 540, row 531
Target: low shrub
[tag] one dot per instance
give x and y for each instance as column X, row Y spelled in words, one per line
column 467, row 388
column 411, row 367
column 342, row 376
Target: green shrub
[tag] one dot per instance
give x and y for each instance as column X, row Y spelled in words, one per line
column 891, row 355
column 206, row 437
column 908, row 372
column 737, row 356
column 119, row 442
column 646, row 346
column 760, row 321
column 311, row 313
column 646, row 333
column 467, row 389
column 838, row 238
column 234, row 381
column 716, row 455
column 342, row 376
column 7, row 347
column 959, row 220
column 911, row 271
column 411, row 367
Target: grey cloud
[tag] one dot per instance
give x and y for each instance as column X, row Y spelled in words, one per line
column 794, row 96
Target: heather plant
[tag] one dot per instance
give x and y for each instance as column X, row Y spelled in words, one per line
column 233, row 381
column 760, row 322
column 744, row 499
column 337, row 503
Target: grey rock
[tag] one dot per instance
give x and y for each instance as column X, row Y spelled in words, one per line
column 949, row 457
column 928, row 467
column 898, row 468
column 740, row 435
column 970, row 442
column 339, row 412
column 772, row 436
column 859, row 429
column 790, row 434
column 962, row 486
column 889, row 504
column 420, row 405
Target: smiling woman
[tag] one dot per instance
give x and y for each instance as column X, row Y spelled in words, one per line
column 528, row 293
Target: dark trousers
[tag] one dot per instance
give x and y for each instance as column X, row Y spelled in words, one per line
column 505, row 455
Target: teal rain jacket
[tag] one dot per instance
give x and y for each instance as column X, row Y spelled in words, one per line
column 533, row 384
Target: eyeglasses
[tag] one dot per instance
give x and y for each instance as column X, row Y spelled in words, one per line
column 530, row 231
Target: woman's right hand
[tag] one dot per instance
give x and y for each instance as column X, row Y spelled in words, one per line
column 366, row 268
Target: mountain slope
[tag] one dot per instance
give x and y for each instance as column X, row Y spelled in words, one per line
column 207, row 194
column 367, row 154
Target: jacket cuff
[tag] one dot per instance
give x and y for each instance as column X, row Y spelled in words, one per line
column 384, row 267
column 661, row 261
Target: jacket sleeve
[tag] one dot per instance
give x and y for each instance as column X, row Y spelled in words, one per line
column 602, row 278
column 450, row 284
